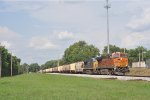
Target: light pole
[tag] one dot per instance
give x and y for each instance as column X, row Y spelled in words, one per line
column 107, row 6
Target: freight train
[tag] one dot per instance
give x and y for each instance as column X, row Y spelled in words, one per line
column 116, row 63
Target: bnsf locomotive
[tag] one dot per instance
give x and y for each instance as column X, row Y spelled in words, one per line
column 117, row 63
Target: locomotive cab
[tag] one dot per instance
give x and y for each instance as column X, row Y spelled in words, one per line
column 120, row 61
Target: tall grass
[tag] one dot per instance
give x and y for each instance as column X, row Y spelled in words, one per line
column 56, row 87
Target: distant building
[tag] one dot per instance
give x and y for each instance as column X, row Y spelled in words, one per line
column 148, row 63
column 139, row 64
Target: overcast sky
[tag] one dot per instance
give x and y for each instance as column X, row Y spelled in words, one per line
column 40, row 30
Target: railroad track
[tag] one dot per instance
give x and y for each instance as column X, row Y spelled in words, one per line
column 130, row 78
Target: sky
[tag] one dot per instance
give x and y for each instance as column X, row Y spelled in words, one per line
column 41, row 30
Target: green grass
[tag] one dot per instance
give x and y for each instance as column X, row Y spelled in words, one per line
column 56, row 87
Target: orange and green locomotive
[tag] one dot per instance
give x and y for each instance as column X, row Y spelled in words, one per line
column 117, row 63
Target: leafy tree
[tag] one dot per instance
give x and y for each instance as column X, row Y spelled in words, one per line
column 50, row 64
column 23, row 68
column 79, row 51
column 61, row 62
column 34, row 67
column 6, row 62
column 133, row 54
column 146, row 54
column 112, row 48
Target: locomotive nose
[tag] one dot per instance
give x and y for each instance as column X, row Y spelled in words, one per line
column 123, row 62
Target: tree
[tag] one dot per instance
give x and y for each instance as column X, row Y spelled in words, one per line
column 23, row 68
column 50, row 64
column 146, row 54
column 6, row 62
column 34, row 67
column 113, row 48
column 79, row 51
column 133, row 54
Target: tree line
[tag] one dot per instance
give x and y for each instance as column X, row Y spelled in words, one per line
column 133, row 54
column 81, row 51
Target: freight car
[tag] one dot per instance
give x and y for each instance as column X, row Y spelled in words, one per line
column 79, row 67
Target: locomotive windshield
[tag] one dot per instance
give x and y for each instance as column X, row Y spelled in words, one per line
column 116, row 55
column 123, row 55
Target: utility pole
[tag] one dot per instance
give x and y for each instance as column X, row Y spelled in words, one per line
column 11, row 64
column 0, row 64
column 139, row 59
column 107, row 6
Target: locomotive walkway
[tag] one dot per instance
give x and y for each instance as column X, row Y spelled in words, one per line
column 106, row 76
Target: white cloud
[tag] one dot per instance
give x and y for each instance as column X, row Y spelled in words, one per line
column 5, row 32
column 65, row 35
column 135, row 39
column 141, row 22
column 17, row 5
column 9, row 38
column 54, row 10
column 41, row 43
column 6, row 44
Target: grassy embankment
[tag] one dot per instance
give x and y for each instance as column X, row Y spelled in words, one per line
column 55, row 87
column 139, row 71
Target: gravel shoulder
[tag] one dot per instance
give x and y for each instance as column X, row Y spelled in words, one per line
column 106, row 76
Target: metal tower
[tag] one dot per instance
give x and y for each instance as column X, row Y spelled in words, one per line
column 107, row 6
